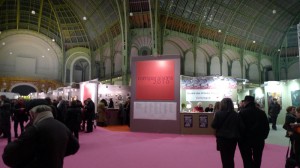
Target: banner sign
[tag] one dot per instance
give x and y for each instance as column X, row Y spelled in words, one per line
column 208, row 88
column 207, row 94
column 155, row 80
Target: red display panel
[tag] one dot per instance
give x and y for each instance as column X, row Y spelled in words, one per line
column 87, row 91
column 155, row 80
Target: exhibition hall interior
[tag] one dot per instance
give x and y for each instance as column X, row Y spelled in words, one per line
column 163, row 58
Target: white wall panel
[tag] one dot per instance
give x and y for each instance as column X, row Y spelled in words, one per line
column 189, row 64
column 225, row 67
column 253, row 73
column 215, row 66
column 201, row 63
column 236, row 69
column 293, row 71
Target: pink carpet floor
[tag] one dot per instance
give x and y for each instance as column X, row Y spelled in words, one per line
column 110, row 149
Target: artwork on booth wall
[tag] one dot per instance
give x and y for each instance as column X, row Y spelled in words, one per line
column 260, row 101
column 274, row 95
column 295, row 95
column 188, row 121
column 203, row 121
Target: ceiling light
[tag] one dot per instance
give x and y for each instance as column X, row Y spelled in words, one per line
column 10, row 53
column 130, row 14
column 48, row 49
column 84, row 18
column 219, row 30
column 33, row 12
column 3, row 43
column 43, row 56
column 53, row 40
column 274, row 11
column 253, row 41
column 278, row 50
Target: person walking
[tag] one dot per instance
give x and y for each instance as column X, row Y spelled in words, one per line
column 274, row 110
column 252, row 141
column 44, row 143
column 227, row 125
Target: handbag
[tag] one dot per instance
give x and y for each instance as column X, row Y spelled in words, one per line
column 290, row 161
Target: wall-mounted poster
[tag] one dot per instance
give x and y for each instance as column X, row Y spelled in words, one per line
column 188, row 121
column 203, row 121
column 274, row 95
column 157, row 83
column 295, row 98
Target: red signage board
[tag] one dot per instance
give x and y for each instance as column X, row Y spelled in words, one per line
column 155, row 80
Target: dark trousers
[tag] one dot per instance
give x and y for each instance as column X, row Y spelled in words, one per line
column 274, row 120
column 251, row 152
column 227, row 151
column 16, row 123
column 6, row 132
column 89, row 125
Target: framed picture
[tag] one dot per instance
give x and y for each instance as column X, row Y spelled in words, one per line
column 203, row 121
column 295, row 95
column 188, row 121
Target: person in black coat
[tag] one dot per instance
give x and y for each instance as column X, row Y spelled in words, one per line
column 44, row 143
column 227, row 125
column 274, row 110
column 111, row 103
column 89, row 114
column 290, row 118
column 20, row 115
column 73, row 118
column 252, row 141
column 5, row 116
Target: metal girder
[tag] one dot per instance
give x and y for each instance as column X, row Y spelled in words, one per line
column 40, row 14
column 122, row 7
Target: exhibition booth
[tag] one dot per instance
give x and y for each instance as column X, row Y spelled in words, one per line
column 162, row 100
column 287, row 93
column 205, row 90
column 96, row 91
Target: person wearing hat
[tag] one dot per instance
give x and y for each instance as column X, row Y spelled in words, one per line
column 44, row 143
column 252, row 140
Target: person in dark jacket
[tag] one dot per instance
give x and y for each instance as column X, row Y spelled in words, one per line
column 61, row 109
column 73, row 118
column 20, row 116
column 89, row 114
column 5, row 116
column 227, row 125
column 53, row 107
column 252, row 141
column 44, row 143
column 274, row 110
column 111, row 103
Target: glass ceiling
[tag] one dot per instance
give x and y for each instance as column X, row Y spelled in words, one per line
column 90, row 23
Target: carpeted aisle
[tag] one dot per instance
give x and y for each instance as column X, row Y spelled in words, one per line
column 113, row 149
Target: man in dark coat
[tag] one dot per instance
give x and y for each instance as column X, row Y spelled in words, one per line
column 89, row 114
column 19, row 115
column 44, row 143
column 73, row 118
column 253, row 137
column 5, row 116
column 274, row 110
